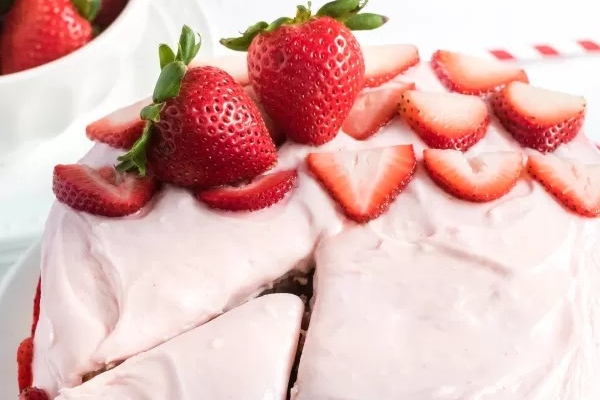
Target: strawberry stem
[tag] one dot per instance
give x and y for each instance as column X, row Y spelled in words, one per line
column 173, row 69
column 88, row 9
column 345, row 11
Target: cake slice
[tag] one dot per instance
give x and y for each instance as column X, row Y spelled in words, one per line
column 246, row 353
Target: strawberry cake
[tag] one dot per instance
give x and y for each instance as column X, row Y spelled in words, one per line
column 316, row 220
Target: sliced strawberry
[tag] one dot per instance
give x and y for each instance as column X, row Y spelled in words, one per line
column 482, row 178
column 364, row 182
column 104, row 191
column 576, row 186
column 121, row 128
column 277, row 134
column 263, row 192
column 445, row 120
column 32, row 393
column 473, row 75
column 24, row 361
column 539, row 118
column 384, row 62
column 374, row 109
column 36, row 307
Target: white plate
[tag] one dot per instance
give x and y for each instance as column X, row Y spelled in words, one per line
column 17, row 286
column 26, row 173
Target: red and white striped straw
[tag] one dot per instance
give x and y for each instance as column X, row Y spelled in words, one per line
column 544, row 51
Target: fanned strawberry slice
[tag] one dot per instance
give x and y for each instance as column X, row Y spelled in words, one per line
column 539, row 118
column 364, row 182
column 24, row 360
column 445, row 120
column 576, row 186
column 374, row 109
column 263, row 192
column 104, row 191
column 384, row 62
column 482, row 178
column 121, row 128
column 277, row 134
column 33, row 393
column 36, row 307
column 473, row 75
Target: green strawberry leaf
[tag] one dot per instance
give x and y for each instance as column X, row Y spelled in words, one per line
column 365, row 21
column 165, row 55
column 345, row 11
column 173, row 70
column 88, row 9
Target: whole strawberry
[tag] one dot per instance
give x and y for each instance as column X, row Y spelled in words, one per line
column 36, row 32
column 308, row 70
column 203, row 129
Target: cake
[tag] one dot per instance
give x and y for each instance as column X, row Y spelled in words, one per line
column 449, row 221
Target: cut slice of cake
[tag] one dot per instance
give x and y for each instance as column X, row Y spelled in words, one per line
column 247, row 353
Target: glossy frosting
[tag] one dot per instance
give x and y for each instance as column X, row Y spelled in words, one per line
column 212, row 361
column 437, row 299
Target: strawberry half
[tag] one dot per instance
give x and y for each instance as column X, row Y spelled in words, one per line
column 445, row 120
column 383, row 63
column 24, row 361
column 121, row 128
column 33, row 393
column 473, row 75
column 104, row 191
column 262, row 192
column 36, row 306
column 576, row 186
column 277, row 134
column 539, row 118
column 374, row 109
column 482, row 178
column 364, row 182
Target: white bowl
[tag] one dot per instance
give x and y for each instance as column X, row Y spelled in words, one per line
column 42, row 102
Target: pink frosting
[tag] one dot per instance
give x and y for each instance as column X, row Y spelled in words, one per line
column 436, row 299
column 212, row 361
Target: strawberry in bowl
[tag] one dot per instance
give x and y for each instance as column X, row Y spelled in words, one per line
column 36, row 32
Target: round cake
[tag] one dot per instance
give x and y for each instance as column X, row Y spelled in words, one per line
column 396, row 229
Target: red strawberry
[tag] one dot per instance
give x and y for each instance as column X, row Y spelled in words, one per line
column 104, row 191
column 277, row 134
column 473, row 75
column 263, row 192
column 482, row 178
column 364, row 182
column 538, row 118
column 576, row 186
column 308, row 70
column 383, row 63
column 33, row 394
column 445, row 120
column 109, row 11
column 39, row 31
column 24, row 361
column 36, row 307
column 203, row 129
column 234, row 65
column 373, row 109
column 121, row 128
